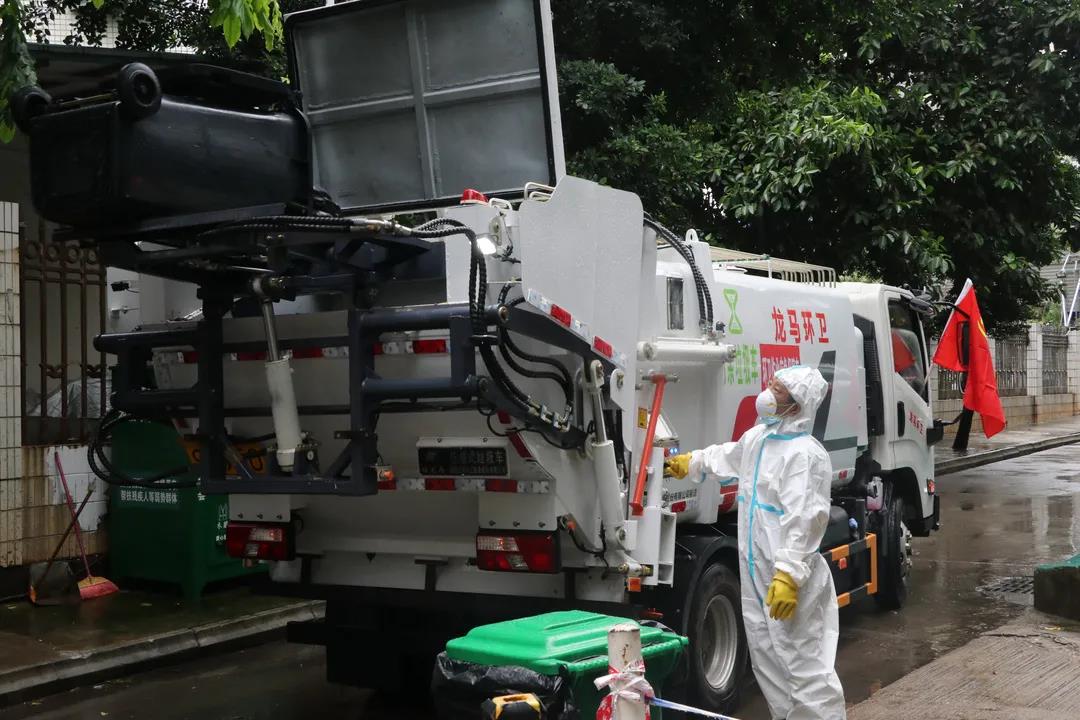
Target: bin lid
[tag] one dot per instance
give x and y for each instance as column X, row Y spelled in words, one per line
column 412, row 101
column 545, row 643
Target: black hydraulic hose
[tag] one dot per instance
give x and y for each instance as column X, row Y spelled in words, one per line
column 567, row 382
column 104, row 469
column 516, row 395
column 705, row 307
column 284, row 222
column 535, row 374
column 704, row 297
column 445, row 227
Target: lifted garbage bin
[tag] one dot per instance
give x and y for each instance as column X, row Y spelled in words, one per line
column 555, row 656
column 170, row 536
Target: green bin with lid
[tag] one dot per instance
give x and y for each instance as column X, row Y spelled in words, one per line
column 569, row 644
column 174, row 536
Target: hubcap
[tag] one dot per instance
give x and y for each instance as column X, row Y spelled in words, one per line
column 144, row 89
column 719, row 642
column 905, row 551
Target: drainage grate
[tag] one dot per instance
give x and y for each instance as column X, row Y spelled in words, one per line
column 1013, row 586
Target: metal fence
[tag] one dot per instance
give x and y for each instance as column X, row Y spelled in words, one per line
column 64, row 380
column 1055, row 358
column 950, row 385
column 1011, row 363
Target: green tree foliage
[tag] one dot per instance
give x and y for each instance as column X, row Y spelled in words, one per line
column 218, row 29
column 921, row 142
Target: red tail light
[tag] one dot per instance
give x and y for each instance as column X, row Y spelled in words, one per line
column 442, row 484
column 561, row 315
column 307, row 353
column 435, row 346
column 519, row 552
column 259, row 541
column 501, row 485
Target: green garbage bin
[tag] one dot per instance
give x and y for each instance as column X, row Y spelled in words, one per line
column 570, row 646
column 170, row 536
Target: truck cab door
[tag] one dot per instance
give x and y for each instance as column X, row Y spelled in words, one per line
column 907, row 367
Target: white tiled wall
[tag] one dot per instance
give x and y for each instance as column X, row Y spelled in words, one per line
column 11, row 496
column 80, row 481
column 33, row 510
column 64, row 24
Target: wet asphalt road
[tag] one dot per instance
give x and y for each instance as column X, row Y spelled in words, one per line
column 997, row 521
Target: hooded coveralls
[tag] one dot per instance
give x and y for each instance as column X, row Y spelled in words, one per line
column 784, row 477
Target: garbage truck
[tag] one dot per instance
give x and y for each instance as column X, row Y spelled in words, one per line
column 436, row 375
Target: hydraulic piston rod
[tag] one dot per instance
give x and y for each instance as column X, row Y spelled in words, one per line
column 279, row 381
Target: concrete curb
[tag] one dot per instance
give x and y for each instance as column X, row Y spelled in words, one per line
column 992, row 456
column 96, row 665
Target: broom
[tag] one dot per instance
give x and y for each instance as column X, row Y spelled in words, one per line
column 54, row 591
column 90, row 586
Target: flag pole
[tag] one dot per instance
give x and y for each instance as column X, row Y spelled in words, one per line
column 963, row 430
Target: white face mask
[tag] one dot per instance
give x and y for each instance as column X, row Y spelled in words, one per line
column 766, row 404
column 767, row 407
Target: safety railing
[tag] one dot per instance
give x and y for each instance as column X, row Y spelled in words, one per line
column 1011, row 355
column 1055, row 359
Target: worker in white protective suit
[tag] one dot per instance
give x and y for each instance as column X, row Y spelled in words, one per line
column 788, row 598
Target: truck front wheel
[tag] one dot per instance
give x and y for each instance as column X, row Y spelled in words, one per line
column 718, row 652
column 894, row 558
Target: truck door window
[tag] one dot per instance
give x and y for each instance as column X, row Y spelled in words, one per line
column 909, row 355
column 674, row 303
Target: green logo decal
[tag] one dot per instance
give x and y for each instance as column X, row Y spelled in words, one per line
column 731, row 297
column 744, row 368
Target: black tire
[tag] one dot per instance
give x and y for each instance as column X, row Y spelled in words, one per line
column 28, row 103
column 716, row 670
column 893, row 559
column 139, row 91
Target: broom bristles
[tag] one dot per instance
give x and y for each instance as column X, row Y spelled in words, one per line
column 94, row 587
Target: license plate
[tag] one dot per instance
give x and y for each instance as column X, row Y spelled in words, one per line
column 468, row 461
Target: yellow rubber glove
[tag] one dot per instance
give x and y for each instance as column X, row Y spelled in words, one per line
column 783, row 596
column 678, row 466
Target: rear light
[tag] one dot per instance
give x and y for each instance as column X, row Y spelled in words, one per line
column 436, row 346
column 519, row 552
column 307, row 353
column 443, row 484
column 259, row 541
column 561, row 315
column 500, row 485
column 470, row 197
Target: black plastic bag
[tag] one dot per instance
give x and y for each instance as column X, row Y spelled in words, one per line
column 459, row 688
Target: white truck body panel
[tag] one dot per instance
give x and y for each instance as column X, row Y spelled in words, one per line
column 584, row 250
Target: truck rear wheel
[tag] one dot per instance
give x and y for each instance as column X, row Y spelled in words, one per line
column 718, row 652
column 894, row 560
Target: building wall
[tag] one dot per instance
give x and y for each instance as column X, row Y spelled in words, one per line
column 33, row 509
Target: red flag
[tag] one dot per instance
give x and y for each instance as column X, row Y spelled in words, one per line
column 981, row 393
